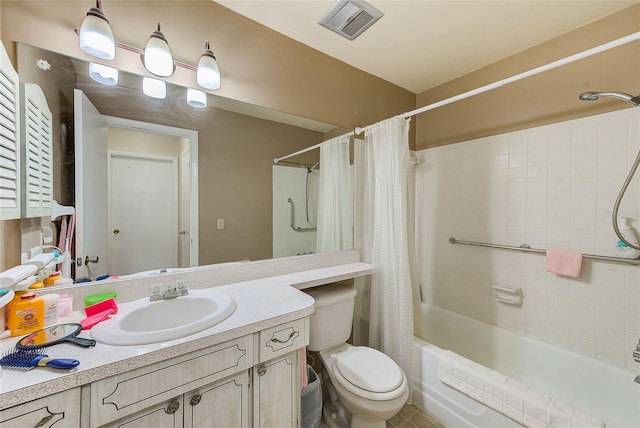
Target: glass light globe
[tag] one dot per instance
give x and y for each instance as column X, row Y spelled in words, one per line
column 154, row 88
column 96, row 36
column 208, row 72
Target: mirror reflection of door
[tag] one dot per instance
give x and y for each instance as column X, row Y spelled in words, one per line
column 185, row 204
column 143, row 209
column 91, row 179
column 149, row 172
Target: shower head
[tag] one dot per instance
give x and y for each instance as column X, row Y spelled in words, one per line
column 594, row 96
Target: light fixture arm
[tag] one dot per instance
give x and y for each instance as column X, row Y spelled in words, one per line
column 139, row 51
column 97, row 11
column 159, row 35
column 207, row 50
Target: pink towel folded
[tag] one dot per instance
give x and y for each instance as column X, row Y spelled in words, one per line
column 565, row 263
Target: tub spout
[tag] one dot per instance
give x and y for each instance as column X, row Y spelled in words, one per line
column 637, row 379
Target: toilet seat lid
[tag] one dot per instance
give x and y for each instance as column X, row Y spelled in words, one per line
column 368, row 369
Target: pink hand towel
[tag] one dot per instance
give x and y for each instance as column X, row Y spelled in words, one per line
column 565, row 263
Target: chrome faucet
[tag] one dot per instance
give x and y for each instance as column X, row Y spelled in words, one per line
column 636, row 353
column 171, row 292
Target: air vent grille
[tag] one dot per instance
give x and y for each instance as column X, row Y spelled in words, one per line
column 350, row 18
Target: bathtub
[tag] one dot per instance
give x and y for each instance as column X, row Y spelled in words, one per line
column 600, row 389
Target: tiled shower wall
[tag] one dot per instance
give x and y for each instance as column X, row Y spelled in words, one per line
column 552, row 187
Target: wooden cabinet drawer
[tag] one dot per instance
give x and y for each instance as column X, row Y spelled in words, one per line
column 127, row 393
column 60, row 410
column 282, row 339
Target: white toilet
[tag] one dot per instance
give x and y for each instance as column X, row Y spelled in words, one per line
column 368, row 383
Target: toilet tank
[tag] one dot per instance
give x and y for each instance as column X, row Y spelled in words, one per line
column 330, row 324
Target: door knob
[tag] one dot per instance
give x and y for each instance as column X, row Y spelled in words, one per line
column 262, row 370
column 172, row 408
column 88, row 260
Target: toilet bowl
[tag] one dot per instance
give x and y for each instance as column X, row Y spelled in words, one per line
column 368, row 382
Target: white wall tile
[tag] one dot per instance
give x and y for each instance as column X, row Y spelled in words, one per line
column 551, row 187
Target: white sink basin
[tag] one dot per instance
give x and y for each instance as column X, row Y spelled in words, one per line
column 142, row 322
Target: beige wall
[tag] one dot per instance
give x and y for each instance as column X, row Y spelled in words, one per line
column 546, row 98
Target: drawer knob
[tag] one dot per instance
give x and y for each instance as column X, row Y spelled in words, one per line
column 262, row 370
column 195, row 399
column 172, row 408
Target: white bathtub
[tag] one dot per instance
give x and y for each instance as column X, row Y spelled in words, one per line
column 600, row 389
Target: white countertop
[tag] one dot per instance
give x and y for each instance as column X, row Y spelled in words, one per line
column 261, row 303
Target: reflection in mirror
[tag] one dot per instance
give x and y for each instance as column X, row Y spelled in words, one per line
column 49, row 336
column 219, row 197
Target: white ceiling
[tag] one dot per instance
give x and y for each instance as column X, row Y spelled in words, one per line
column 420, row 44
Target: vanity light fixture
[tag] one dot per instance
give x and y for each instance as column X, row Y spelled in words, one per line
column 156, row 57
column 208, row 72
column 154, row 88
column 103, row 74
column 96, row 36
column 196, row 98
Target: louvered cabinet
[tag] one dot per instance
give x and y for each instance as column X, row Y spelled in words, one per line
column 10, row 194
column 37, row 152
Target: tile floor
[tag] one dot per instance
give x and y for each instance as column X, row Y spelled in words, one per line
column 412, row 416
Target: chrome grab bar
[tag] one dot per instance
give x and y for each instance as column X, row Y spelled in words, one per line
column 293, row 226
column 527, row 249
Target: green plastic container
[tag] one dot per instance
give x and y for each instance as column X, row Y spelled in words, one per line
column 97, row 298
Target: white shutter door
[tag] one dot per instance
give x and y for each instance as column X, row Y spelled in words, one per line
column 9, row 139
column 38, row 152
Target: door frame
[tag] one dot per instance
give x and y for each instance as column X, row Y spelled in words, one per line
column 192, row 137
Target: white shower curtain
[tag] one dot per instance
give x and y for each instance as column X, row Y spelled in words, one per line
column 335, row 200
column 385, row 241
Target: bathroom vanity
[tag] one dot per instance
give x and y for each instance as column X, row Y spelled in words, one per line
column 244, row 371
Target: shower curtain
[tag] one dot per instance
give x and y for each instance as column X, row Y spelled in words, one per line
column 335, row 215
column 385, row 240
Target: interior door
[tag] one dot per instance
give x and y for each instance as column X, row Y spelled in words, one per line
column 90, row 181
column 143, row 203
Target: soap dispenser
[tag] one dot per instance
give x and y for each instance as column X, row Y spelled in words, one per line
column 623, row 249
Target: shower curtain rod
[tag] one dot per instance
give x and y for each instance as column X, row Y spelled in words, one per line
column 486, row 88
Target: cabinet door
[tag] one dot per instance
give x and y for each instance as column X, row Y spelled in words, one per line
column 163, row 415
column 116, row 397
column 222, row 404
column 276, row 392
column 62, row 409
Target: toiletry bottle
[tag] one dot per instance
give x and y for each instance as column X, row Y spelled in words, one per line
column 25, row 313
column 623, row 249
column 50, row 308
column 48, row 282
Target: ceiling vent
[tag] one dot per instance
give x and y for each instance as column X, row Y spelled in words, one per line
column 350, row 18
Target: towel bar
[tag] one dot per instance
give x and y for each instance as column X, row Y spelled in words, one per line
column 527, row 249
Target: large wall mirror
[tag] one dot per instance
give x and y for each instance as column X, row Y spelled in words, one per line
column 172, row 186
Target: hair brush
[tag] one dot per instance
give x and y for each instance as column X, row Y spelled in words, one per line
column 36, row 358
